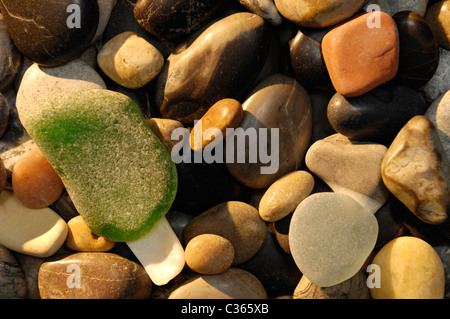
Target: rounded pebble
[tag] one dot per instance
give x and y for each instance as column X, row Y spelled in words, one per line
column 438, row 17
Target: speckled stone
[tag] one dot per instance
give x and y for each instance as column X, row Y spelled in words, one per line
column 439, row 113
column 12, row 279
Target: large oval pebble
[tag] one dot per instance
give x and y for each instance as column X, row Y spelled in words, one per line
column 330, row 236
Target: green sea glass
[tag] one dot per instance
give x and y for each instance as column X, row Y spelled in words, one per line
column 117, row 172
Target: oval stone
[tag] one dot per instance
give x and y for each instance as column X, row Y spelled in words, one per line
column 163, row 128
column 12, row 279
column 53, row 33
column 93, row 275
column 221, row 61
column 236, row 221
column 330, row 236
column 278, row 122
column 438, row 17
column 235, row 283
column 409, row 268
column 10, row 58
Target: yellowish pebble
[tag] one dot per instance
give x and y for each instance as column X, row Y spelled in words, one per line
column 81, row 238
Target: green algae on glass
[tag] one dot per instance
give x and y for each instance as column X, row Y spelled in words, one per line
column 117, row 172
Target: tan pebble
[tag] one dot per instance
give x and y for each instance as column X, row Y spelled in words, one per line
column 209, row 254
column 34, row 181
column 438, row 17
column 163, row 128
column 285, row 194
column 226, row 113
column 81, row 238
column 129, row 60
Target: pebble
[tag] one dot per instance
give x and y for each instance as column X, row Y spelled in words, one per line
column 266, row 9
column 409, row 268
column 444, row 254
column 209, row 254
column 130, row 60
column 358, row 57
column 56, row 34
column 192, row 80
column 393, row 7
column 12, row 279
column 439, row 113
column 376, row 116
column 10, row 58
column 415, row 169
column 93, row 275
column 330, row 236
column 4, row 114
column 284, row 195
column 438, row 17
column 440, row 82
column 80, row 238
column 163, row 128
column 350, row 167
column 235, row 283
column 105, row 8
column 35, row 232
column 279, row 103
column 318, row 14
column 236, row 221
column 34, row 180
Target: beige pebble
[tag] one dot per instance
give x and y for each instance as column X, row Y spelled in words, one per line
column 130, row 60
column 163, row 128
column 209, row 254
column 285, row 194
column 81, row 238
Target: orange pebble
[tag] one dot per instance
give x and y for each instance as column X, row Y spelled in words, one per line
column 34, row 181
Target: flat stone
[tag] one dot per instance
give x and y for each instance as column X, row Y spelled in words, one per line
column 416, row 170
column 236, row 221
column 376, row 116
column 318, row 14
column 350, row 167
column 12, row 279
column 284, row 195
column 278, row 105
column 392, row 7
column 439, row 113
column 235, row 283
column 330, row 236
column 35, row 232
column 438, row 17
column 409, row 268
column 55, row 33
column 10, row 58
column 93, row 275
column 265, row 9
column 360, row 57
column 440, row 82
column 130, row 60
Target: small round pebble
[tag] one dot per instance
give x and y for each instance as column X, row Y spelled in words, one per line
column 35, row 182
column 81, row 238
column 209, row 254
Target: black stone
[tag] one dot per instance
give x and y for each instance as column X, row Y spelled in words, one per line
column 4, row 114
column 376, row 116
column 10, row 58
column 41, row 32
column 419, row 50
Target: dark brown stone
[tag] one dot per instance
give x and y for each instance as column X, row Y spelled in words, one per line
column 12, row 280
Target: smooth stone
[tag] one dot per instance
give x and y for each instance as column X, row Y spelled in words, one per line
column 236, row 221
column 438, row 17
column 352, row 288
column 101, row 276
column 169, row 19
column 350, row 167
column 439, row 113
column 178, row 221
column 209, row 254
column 10, row 58
column 330, row 236
column 235, row 283
column 192, row 79
column 266, row 9
column 55, row 35
column 308, row 64
column 376, row 116
column 163, row 128
column 358, row 57
column 321, row 127
column 409, row 268
column 105, row 8
column 416, row 170
column 280, row 103
column 35, row 232
column 444, row 254
column 39, row 82
column 419, row 54
column 392, row 7
column 12, row 279
column 4, row 114
column 34, row 181
column 129, row 60
column 440, row 82
column 284, row 195
column 318, row 14
column 281, row 231
column 10, row 157
column 222, row 115
column 80, row 237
